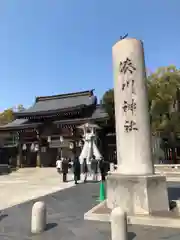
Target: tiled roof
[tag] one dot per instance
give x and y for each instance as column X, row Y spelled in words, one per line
column 15, row 123
column 18, row 124
column 98, row 114
column 52, row 104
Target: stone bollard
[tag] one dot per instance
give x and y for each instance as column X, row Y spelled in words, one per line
column 118, row 224
column 38, row 218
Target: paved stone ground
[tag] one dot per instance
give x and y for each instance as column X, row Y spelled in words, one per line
column 35, row 182
column 30, row 183
column 66, row 209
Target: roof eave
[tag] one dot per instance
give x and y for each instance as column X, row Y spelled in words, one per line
column 47, row 113
column 80, row 120
column 75, row 94
column 20, row 127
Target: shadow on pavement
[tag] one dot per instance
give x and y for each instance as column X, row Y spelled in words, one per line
column 131, row 235
column 3, row 216
column 50, row 226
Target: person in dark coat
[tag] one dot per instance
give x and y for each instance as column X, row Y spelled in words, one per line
column 85, row 169
column 103, row 169
column 77, row 170
column 94, row 168
column 65, row 166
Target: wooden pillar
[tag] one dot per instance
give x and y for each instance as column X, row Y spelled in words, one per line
column 38, row 157
column 19, row 156
column 74, row 141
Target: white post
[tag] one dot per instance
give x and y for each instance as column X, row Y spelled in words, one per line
column 118, row 224
column 38, row 219
column 134, row 156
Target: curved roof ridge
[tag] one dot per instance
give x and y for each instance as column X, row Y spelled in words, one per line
column 65, row 95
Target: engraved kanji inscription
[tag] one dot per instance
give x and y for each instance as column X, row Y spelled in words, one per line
column 126, row 84
column 129, row 106
column 133, row 86
column 126, row 66
column 130, row 126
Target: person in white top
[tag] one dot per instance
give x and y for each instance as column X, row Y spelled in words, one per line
column 59, row 165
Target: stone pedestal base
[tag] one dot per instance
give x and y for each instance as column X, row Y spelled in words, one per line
column 137, row 194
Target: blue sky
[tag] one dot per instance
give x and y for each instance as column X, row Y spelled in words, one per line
column 57, row 46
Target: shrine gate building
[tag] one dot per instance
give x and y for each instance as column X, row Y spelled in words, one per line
column 49, row 129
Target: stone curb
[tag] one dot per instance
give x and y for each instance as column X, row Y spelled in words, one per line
column 155, row 221
column 168, row 173
column 172, row 179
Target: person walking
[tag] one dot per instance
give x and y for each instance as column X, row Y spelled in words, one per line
column 70, row 164
column 58, row 165
column 85, row 169
column 94, row 168
column 65, row 167
column 77, row 170
column 102, row 168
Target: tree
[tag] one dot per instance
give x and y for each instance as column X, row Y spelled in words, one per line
column 20, row 108
column 163, row 86
column 164, row 107
column 108, row 102
column 6, row 116
column 164, row 103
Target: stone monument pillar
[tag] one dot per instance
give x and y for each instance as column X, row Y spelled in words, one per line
column 133, row 187
column 131, row 108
